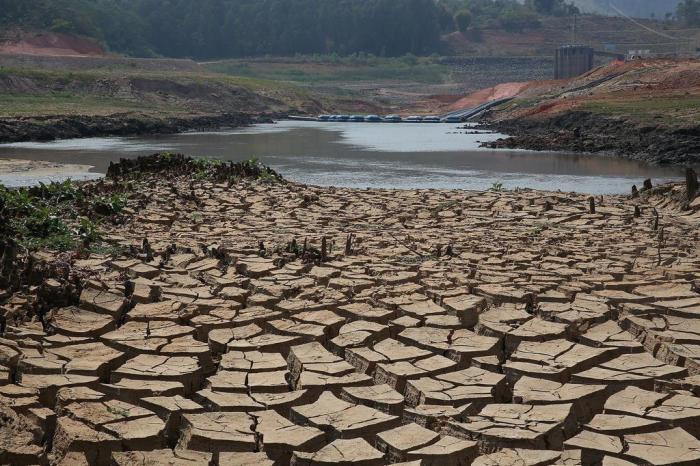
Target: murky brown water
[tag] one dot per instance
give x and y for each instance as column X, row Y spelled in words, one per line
column 362, row 155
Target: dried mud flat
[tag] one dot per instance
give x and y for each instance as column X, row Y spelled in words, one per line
column 428, row 327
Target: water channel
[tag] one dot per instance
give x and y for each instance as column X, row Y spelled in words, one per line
column 358, row 155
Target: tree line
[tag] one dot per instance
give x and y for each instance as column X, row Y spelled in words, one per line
column 511, row 15
column 208, row 29
column 211, row 29
column 689, row 12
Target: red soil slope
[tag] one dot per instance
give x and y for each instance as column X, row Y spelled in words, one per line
column 51, row 44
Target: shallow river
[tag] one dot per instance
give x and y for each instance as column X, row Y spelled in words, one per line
column 352, row 155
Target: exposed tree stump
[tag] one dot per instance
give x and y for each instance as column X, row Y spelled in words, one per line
column 591, row 205
column 691, row 182
column 348, row 245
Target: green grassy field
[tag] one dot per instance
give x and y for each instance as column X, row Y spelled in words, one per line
column 22, row 105
column 319, row 70
column 41, row 92
column 669, row 110
column 297, row 85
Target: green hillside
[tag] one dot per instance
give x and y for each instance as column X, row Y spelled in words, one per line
column 232, row 28
column 634, row 8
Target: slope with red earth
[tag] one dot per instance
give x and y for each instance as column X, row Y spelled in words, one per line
column 51, row 44
column 646, row 109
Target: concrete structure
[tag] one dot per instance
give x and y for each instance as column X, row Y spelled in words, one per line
column 572, row 61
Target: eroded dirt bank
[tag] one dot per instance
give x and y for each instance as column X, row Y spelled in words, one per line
column 229, row 318
column 580, row 131
column 643, row 109
column 46, row 98
column 66, row 127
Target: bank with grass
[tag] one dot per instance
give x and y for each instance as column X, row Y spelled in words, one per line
column 47, row 100
column 71, row 217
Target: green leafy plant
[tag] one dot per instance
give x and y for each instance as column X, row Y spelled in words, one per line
column 43, row 217
column 87, row 231
column 539, row 228
column 109, row 205
column 446, row 205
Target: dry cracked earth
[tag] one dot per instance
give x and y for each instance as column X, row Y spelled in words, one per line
column 434, row 328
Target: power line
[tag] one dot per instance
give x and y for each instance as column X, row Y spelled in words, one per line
column 644, row 26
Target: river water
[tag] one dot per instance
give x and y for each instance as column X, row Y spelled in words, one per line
column 358, row 155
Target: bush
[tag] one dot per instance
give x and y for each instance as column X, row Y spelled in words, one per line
column 517, row 21
column 37, row 217
column 463, row 19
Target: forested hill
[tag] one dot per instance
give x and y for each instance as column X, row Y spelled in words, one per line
column 207, row 29
column 213, row 29
column 635, row 8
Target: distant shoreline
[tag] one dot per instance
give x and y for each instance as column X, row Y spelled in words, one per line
column 51, row 128
column 584, row 132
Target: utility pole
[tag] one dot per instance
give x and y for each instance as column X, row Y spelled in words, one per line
column 573, row 30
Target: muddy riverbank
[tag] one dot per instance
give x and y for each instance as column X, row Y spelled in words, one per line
column 591, row 133
column 15, row 172
column 51, row 128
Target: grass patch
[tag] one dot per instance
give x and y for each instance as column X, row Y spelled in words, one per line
column 201, row 169
column 319, row 70
column 42, row 92
column 669, row 110
column 51, row 76
column 56, row 216
column 446, row 206
column 21, row 105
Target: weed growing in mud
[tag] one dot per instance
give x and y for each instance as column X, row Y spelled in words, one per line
column 497, row 187
column 59, row 236
column 445, row 205
column 260, row 172
column 46, row 217
column 88, row 231
column 118, row 411
column 413, row 260
column 109, row 205
column 267, row 177
column 178, row 165
column 204, row 167
column 33, row 221
column 107, row 249
column 539, row 228
column 57, row 193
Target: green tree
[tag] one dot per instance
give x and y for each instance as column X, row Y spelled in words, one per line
column 553, row 7
column 206, row 29
column 463, row 19
column 689, row 12
column 446, row 18
column 517, row 21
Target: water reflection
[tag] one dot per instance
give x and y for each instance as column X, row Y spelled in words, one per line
column 368, row 155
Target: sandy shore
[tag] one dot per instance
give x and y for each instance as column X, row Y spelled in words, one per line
column 15, row 172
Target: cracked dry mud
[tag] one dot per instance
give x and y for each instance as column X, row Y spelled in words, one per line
column 451, row 328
